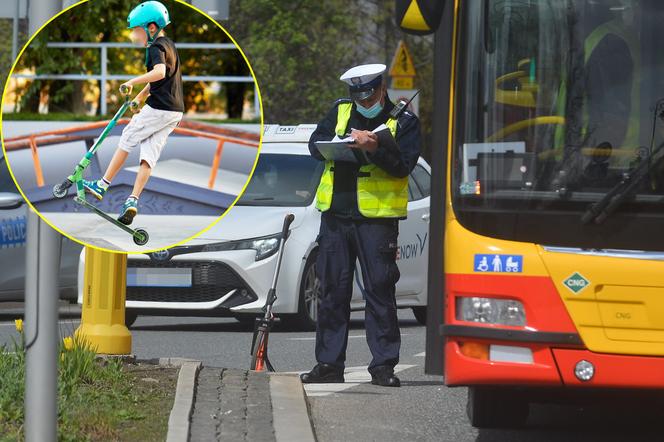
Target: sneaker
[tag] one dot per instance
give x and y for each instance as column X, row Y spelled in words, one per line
column 95, row 189
column 129, row 211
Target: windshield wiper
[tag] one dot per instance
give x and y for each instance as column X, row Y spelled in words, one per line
column 601, row 210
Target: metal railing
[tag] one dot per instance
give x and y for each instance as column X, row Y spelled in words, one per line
column 103, row 77
column 186, row 128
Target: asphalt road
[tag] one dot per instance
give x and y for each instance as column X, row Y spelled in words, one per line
column 423, row 409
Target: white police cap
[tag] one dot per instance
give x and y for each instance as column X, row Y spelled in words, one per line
column 363, row 80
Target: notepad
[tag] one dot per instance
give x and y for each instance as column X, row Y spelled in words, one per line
column 337, row 149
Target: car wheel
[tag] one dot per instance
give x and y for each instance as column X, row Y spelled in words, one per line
column 496, row 408
column 130, row 318
column 309, row 298
column 420, row 314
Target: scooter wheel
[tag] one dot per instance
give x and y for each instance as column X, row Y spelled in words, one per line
column 141, row 237
column 258, row 356
column 60, row 190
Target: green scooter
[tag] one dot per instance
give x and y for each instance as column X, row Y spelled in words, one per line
column 140, row 236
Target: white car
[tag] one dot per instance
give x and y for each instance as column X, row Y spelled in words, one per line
column 227, row 270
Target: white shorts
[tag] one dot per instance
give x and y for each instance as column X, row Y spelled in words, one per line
column 150, row 129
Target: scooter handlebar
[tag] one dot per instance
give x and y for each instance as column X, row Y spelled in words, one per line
column 288, row 220
column 124, row 89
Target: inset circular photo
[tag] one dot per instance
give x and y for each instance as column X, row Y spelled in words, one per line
column 131, row 126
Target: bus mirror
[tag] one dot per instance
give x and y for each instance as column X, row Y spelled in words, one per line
column 419, row 17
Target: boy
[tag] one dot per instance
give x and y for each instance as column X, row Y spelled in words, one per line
column 163, row 108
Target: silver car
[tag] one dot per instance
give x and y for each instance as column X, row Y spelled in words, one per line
column 13, row 234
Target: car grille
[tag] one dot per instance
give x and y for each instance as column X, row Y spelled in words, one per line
column 210, row 281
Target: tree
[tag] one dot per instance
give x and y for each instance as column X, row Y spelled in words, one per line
column 299, row 48
column 105, row 21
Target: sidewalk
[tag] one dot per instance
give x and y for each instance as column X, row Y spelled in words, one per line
column 241, row 405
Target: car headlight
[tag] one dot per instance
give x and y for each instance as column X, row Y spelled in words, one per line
column 491, row 311
column 264, row 247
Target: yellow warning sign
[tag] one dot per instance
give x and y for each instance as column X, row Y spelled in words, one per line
column 402, row 64
column 402, row 82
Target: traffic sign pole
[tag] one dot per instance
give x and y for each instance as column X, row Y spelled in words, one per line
column 41, row 330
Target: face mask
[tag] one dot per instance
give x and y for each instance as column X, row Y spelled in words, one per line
column 370, row 112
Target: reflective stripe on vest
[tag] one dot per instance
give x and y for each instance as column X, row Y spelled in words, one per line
column 379, row 194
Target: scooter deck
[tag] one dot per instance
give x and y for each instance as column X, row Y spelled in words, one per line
column 104, row 215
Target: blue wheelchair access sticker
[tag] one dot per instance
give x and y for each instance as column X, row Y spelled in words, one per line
column 498, row 264
column 12, row 231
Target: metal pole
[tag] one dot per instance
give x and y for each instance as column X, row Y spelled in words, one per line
column 41, row 330
column 257, row 106
column 102, row 82
column 15, row 31
column 41, row 11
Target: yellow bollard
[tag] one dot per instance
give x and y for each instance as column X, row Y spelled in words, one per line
column 103, row 310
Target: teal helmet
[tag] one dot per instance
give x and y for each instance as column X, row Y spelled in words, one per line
column 146, row 13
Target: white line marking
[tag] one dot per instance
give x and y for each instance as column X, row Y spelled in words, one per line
column 420, row 355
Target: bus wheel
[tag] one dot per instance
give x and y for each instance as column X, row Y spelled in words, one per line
column 496, row 408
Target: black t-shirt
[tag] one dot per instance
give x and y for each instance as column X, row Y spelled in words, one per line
column 165, row 94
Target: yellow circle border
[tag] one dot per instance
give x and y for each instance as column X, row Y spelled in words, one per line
column 213, row 223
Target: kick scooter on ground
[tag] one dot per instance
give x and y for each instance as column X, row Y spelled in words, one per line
column 140, row 236
column 259, row 359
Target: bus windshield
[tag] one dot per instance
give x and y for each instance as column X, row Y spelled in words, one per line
column 559, row 106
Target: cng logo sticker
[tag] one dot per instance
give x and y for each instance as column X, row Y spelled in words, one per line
column 576, row 283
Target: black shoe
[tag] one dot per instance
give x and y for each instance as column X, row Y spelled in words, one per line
column 323, row 374
column 384, row 376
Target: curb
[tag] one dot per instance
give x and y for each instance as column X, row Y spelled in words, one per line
column 290, row 414
column 180, row 417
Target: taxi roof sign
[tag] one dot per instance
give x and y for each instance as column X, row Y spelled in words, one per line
column 402, row 63
column 275, row 133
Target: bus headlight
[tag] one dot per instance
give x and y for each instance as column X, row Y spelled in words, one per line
column 491, row 311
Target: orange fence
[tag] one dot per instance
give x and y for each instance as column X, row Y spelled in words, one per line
column 186, row 127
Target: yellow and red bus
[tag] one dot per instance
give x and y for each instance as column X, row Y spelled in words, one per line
column 548, row 198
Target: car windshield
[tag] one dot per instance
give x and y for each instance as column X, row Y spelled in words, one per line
column 283, row 180
column 557, row 104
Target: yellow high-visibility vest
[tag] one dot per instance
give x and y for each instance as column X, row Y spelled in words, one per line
column 379, row 194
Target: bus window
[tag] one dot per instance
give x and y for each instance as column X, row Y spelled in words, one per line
column 553, row 120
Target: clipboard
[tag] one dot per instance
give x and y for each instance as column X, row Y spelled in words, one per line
column 338, row 150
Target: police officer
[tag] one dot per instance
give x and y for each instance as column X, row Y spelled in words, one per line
column 361, row 204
